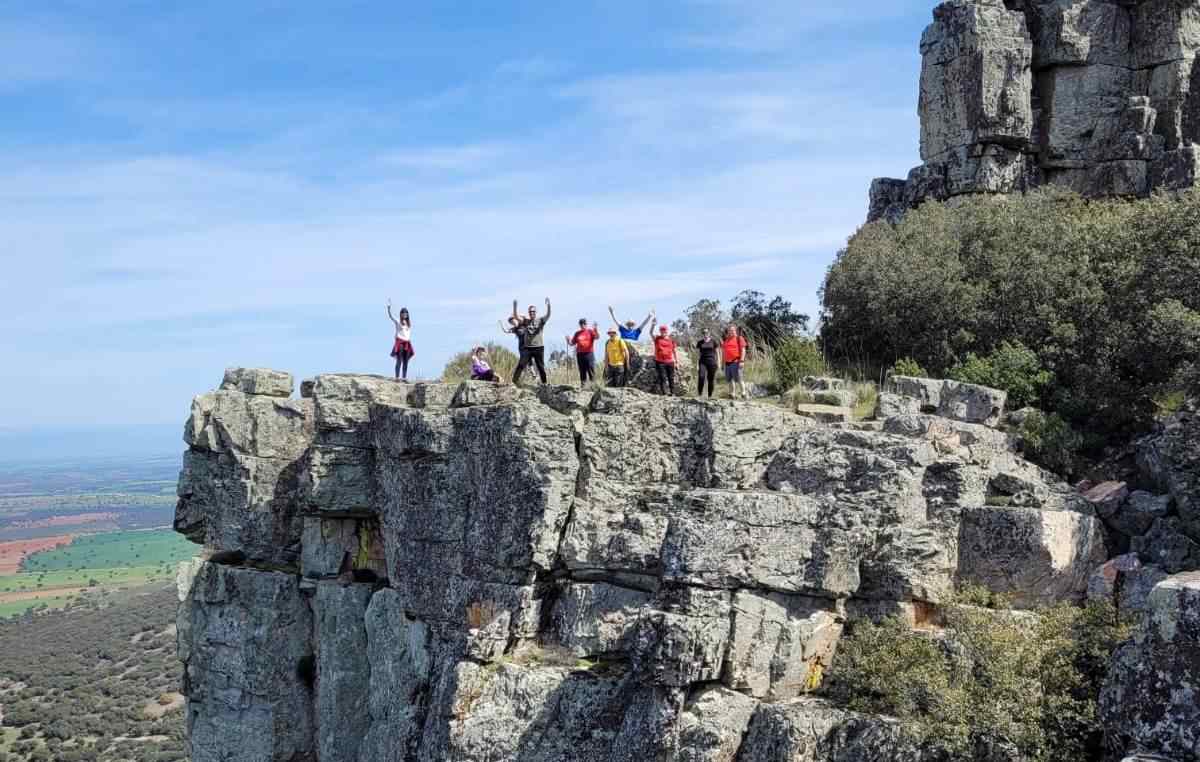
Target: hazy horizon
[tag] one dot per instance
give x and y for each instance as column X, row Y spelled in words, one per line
column 195, row 188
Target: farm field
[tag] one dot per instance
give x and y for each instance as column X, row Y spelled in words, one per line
column 12, row 554
column 101, row 562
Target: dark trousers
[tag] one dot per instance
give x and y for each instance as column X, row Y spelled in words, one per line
column 615, row 375
column 707, row 374
column 587, row 367
column 487, row 376
column 402, row 363
column 665, row 376
column 535, row 355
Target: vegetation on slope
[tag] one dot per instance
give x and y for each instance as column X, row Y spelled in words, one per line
column 1104, row 294
column 96, row 681
column 1008, row 682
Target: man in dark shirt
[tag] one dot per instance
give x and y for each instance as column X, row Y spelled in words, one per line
column 534, row 347
column 707, row 347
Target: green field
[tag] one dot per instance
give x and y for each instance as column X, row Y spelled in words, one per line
column 114, row 550
column 97, row 563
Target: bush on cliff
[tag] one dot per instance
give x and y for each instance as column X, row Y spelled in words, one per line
column 794, row 359
column 1012, row 367
column 997, row 680
column 1106, row 294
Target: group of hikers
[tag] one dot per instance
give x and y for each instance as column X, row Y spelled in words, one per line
column 621, row 358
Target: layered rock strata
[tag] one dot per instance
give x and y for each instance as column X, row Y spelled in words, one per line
column 1091, row 95
column 475, row 572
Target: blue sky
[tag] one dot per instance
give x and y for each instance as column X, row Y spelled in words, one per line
column 185, row 187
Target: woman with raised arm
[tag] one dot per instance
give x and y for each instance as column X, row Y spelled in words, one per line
column 402, row 347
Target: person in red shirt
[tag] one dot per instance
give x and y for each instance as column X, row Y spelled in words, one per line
column 733, row 351
column 584, row 342
column 664, row 362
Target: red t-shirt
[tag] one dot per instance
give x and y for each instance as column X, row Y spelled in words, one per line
column 664, row 349
column 733, row 348
column 584, row 339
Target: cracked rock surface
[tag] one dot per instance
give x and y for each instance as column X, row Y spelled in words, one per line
column 479, row 573
column 1091, row 95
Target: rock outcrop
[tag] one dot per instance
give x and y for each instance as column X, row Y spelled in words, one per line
column 1091, row 95
column 476, row 572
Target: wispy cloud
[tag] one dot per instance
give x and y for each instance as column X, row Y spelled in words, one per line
column 178, row 231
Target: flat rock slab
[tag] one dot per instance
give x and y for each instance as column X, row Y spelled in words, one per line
column 825, row 413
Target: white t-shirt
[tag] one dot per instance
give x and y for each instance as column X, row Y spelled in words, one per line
column 403, row 331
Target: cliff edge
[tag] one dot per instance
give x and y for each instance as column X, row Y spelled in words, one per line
column 477, row 572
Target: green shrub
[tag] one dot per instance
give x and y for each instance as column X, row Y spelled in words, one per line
column 906, row 366
column 1051, row 442
column 794, row 359
column 1105, row 293
column 1012, row 367
column 995, row 680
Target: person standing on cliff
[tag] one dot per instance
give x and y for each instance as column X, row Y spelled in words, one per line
column 733, row 351
column 402, row 347
column 534, row 349
column 664, row 362
column 631, row 333
column 584, row 342
column 616, row 359
column 707, row 372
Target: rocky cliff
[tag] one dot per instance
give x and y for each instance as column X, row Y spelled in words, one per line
column 1091, row 95
column 476, row 572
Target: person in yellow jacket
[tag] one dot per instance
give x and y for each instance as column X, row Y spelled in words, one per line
column 616, row 359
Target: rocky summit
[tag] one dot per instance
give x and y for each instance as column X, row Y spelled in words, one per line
column 481, row 573
column 1091, row 95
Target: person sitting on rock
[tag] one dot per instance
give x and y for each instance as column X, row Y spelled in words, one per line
column 733, row 351
column 664, row 362
column 584, row 341
column 534, row 349
column 402, row 347
column 616, row 358
column 480, row 369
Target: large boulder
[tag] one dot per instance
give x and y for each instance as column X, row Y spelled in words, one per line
column 1169, row 458
column 1149, row 702
column 240, row 490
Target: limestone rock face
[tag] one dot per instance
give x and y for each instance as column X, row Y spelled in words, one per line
column 1091, row 95
column 480, row 573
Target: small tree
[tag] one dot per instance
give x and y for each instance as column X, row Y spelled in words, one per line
column 771, row 323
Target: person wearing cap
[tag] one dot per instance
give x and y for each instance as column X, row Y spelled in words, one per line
column 664, row 362
column 584, row 340
column 616, row 358
column 630, row 330
column 481, row 370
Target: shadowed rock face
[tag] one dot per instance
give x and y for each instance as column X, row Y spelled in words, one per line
column 475, row 572
column 1091, row 95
